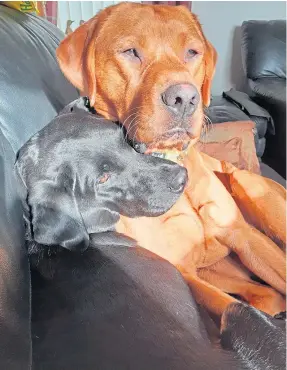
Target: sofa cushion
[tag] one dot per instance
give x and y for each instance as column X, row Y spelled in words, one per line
column 232, row 142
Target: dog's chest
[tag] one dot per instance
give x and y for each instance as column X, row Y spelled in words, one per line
column 173, row 236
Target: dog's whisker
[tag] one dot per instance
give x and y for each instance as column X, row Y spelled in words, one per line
column 133, row 123
column 206, row 128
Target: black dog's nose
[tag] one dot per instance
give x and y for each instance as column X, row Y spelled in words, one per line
column 179, row 181
column 181, row 99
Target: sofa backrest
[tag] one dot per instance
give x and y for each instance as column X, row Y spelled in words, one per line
column 264, row 48
column 32, row 89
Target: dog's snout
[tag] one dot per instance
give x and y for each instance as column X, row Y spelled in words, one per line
column 181, row 99
column 179, row 181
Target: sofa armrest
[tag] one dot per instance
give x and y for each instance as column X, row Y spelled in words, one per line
column 270, row 90
column 15, row 325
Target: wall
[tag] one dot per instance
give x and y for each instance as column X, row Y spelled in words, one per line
column 221, row 21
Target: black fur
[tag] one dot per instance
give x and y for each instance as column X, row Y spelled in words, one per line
column 79, row 174
column 258, row 338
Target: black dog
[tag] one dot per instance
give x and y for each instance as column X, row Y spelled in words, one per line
column 79, row 175
column 104, row 307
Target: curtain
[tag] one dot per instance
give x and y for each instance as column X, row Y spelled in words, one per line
column 48, row 10
column 68, row 15
column 73, row 13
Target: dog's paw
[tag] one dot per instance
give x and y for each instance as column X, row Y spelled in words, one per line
column 280, row 316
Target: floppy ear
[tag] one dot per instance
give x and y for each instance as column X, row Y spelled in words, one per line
column 210, row 59
column 76, row 55
column 55, row 218
column 50, row 211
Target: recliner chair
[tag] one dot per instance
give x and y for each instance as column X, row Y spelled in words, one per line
column 264, row 63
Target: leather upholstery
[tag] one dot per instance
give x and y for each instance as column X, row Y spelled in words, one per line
column 15, row 342
column 32, row 91
column 264, row 48
column 264, row 62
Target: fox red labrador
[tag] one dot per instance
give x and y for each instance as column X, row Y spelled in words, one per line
column 150, row 68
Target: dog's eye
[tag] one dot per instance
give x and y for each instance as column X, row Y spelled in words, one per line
column 191, row 53
column 133, row 53
column 105, row 168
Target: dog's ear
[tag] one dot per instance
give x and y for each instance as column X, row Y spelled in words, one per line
column 209, row 60
column 55, row 218
column 51, row 211
column 76, row 55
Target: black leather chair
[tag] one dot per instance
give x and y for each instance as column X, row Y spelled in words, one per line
column 264, row 62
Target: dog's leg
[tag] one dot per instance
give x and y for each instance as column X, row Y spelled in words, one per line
column 207, row 295
column 233, row 279
column 262, row 201
column 259, row 254
column 255, row 250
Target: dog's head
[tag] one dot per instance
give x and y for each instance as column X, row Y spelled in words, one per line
column 79, row 175
column 147, row 66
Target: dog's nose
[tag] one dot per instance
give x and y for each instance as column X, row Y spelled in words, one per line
column 179, row 181
column 181, row 99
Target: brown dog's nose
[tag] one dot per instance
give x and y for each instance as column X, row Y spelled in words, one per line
column 181, row 99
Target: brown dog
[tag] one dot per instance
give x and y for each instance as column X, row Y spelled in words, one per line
column 150, row 67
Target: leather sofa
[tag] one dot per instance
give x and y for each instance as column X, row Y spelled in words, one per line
column 264, row 63
column 32, row 91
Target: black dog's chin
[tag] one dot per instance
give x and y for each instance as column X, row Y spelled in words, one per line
column 158, row 211
column 141, row 148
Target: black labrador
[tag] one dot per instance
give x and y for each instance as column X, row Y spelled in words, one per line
column 96, row 306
